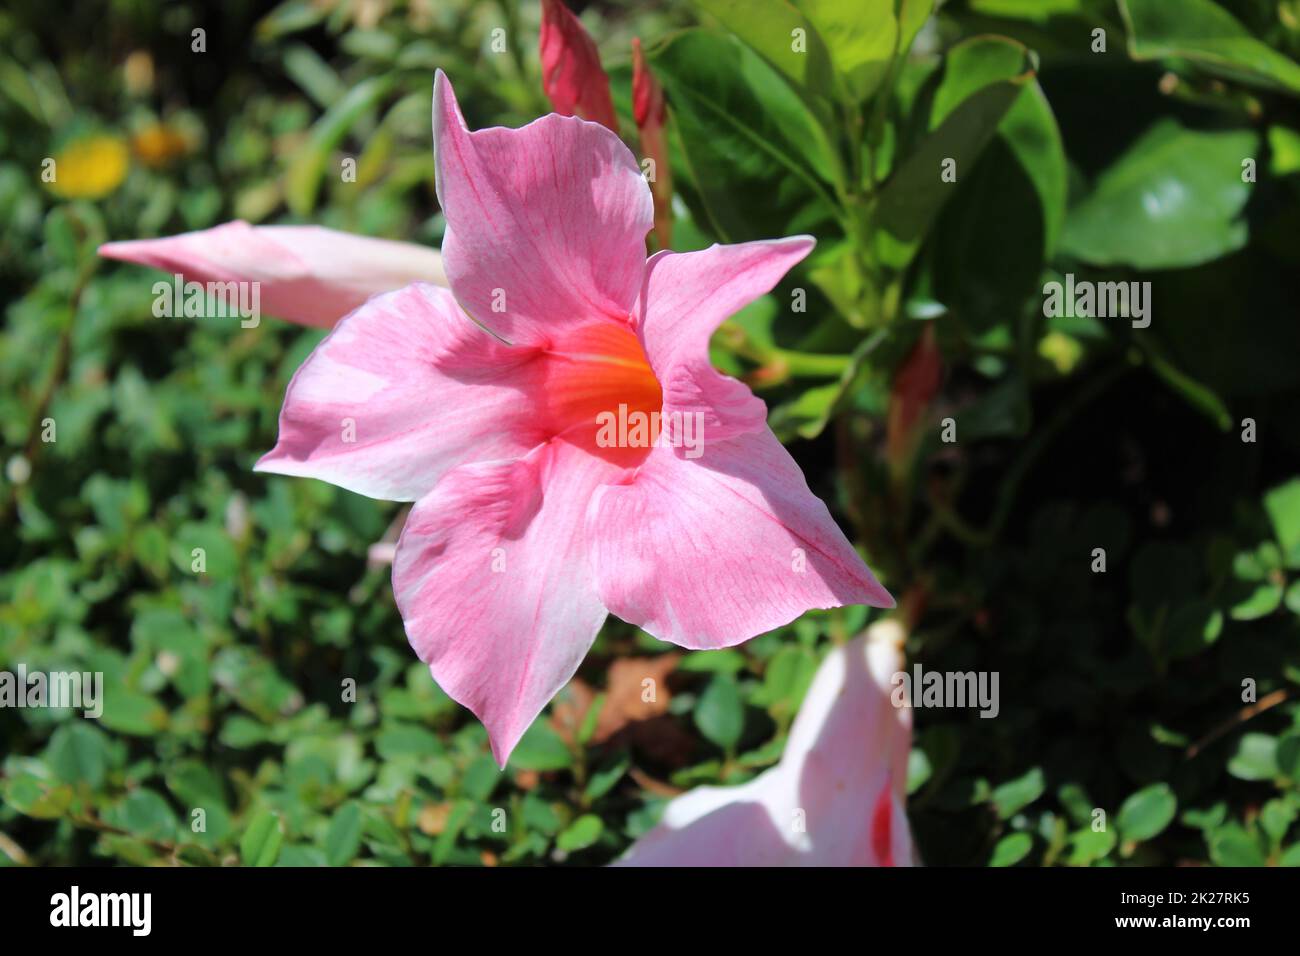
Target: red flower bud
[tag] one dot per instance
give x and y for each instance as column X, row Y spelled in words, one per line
column 915, row 384
column 651, row 113
column 572, row 76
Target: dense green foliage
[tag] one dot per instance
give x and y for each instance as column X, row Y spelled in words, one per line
column 1175, row 447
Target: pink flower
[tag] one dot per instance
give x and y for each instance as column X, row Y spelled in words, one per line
column 530, row 525
column 572, row 76
column 836, row 797
column 308, row 274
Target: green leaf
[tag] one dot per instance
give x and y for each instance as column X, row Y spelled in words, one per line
column 407, row 740
column 1256, row 758
column 720, row 714
column 317, row 79
column 915, row 193
column 260, row 844
column 37, row 798
column 541, row 748
column 131, row 712
column 1197, row 395
column 760, row 160
column 786, row 679
column 1283, row 507
column 1284, row 144
column 919, row 770
column 1014, row 795
column 447, row 839
column 1012, row 849
column 1204, row 33
column 78, row 754
column 726, row 660
column 343, row 839
column 307, row 167
column 773, row 35
column 1288, row 755
column 861, row 37
column 218, row 559
column 581, row 833
column 1263, row 600
column 1029, row 128
column 590, row 719
column 1276, row 817
column 1292, row 597
column 912, row 15
column 1146, row 813
column 1207, row 819
column 603, row 779
column 1089, row 846
column 996, row 232
column 145, row 814
column 1172, row 200
column 1233, row 845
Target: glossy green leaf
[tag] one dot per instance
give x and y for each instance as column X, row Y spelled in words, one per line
column 916, row 192
column 260, row 844
column 760, row 160
column 720, row 713
column 1283, row 507
column 1233, row 845
column 1089, row 845
column 861, row 37
column 991, row 240
column 541, row 748
column 78, row 754
column 580, row 834
column 775, row 34
column 1011, row 849
column 343, row 839
column 1256, row 757
column 1173, row 199
column 1014, row 795
column 1209, row 36
column 37, row 798
column 1145, row 814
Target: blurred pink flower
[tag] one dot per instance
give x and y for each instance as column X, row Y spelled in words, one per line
column 835, row 799
column 572, row 76
column 307, row 274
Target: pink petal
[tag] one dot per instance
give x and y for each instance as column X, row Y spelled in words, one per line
column 684, row 298
column 846, row 757
column 308, row 274
column 401, row 391
column 492, row 580
column 710, row 552
column 546, row 224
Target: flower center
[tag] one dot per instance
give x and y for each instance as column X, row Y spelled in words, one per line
column 602, row 394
